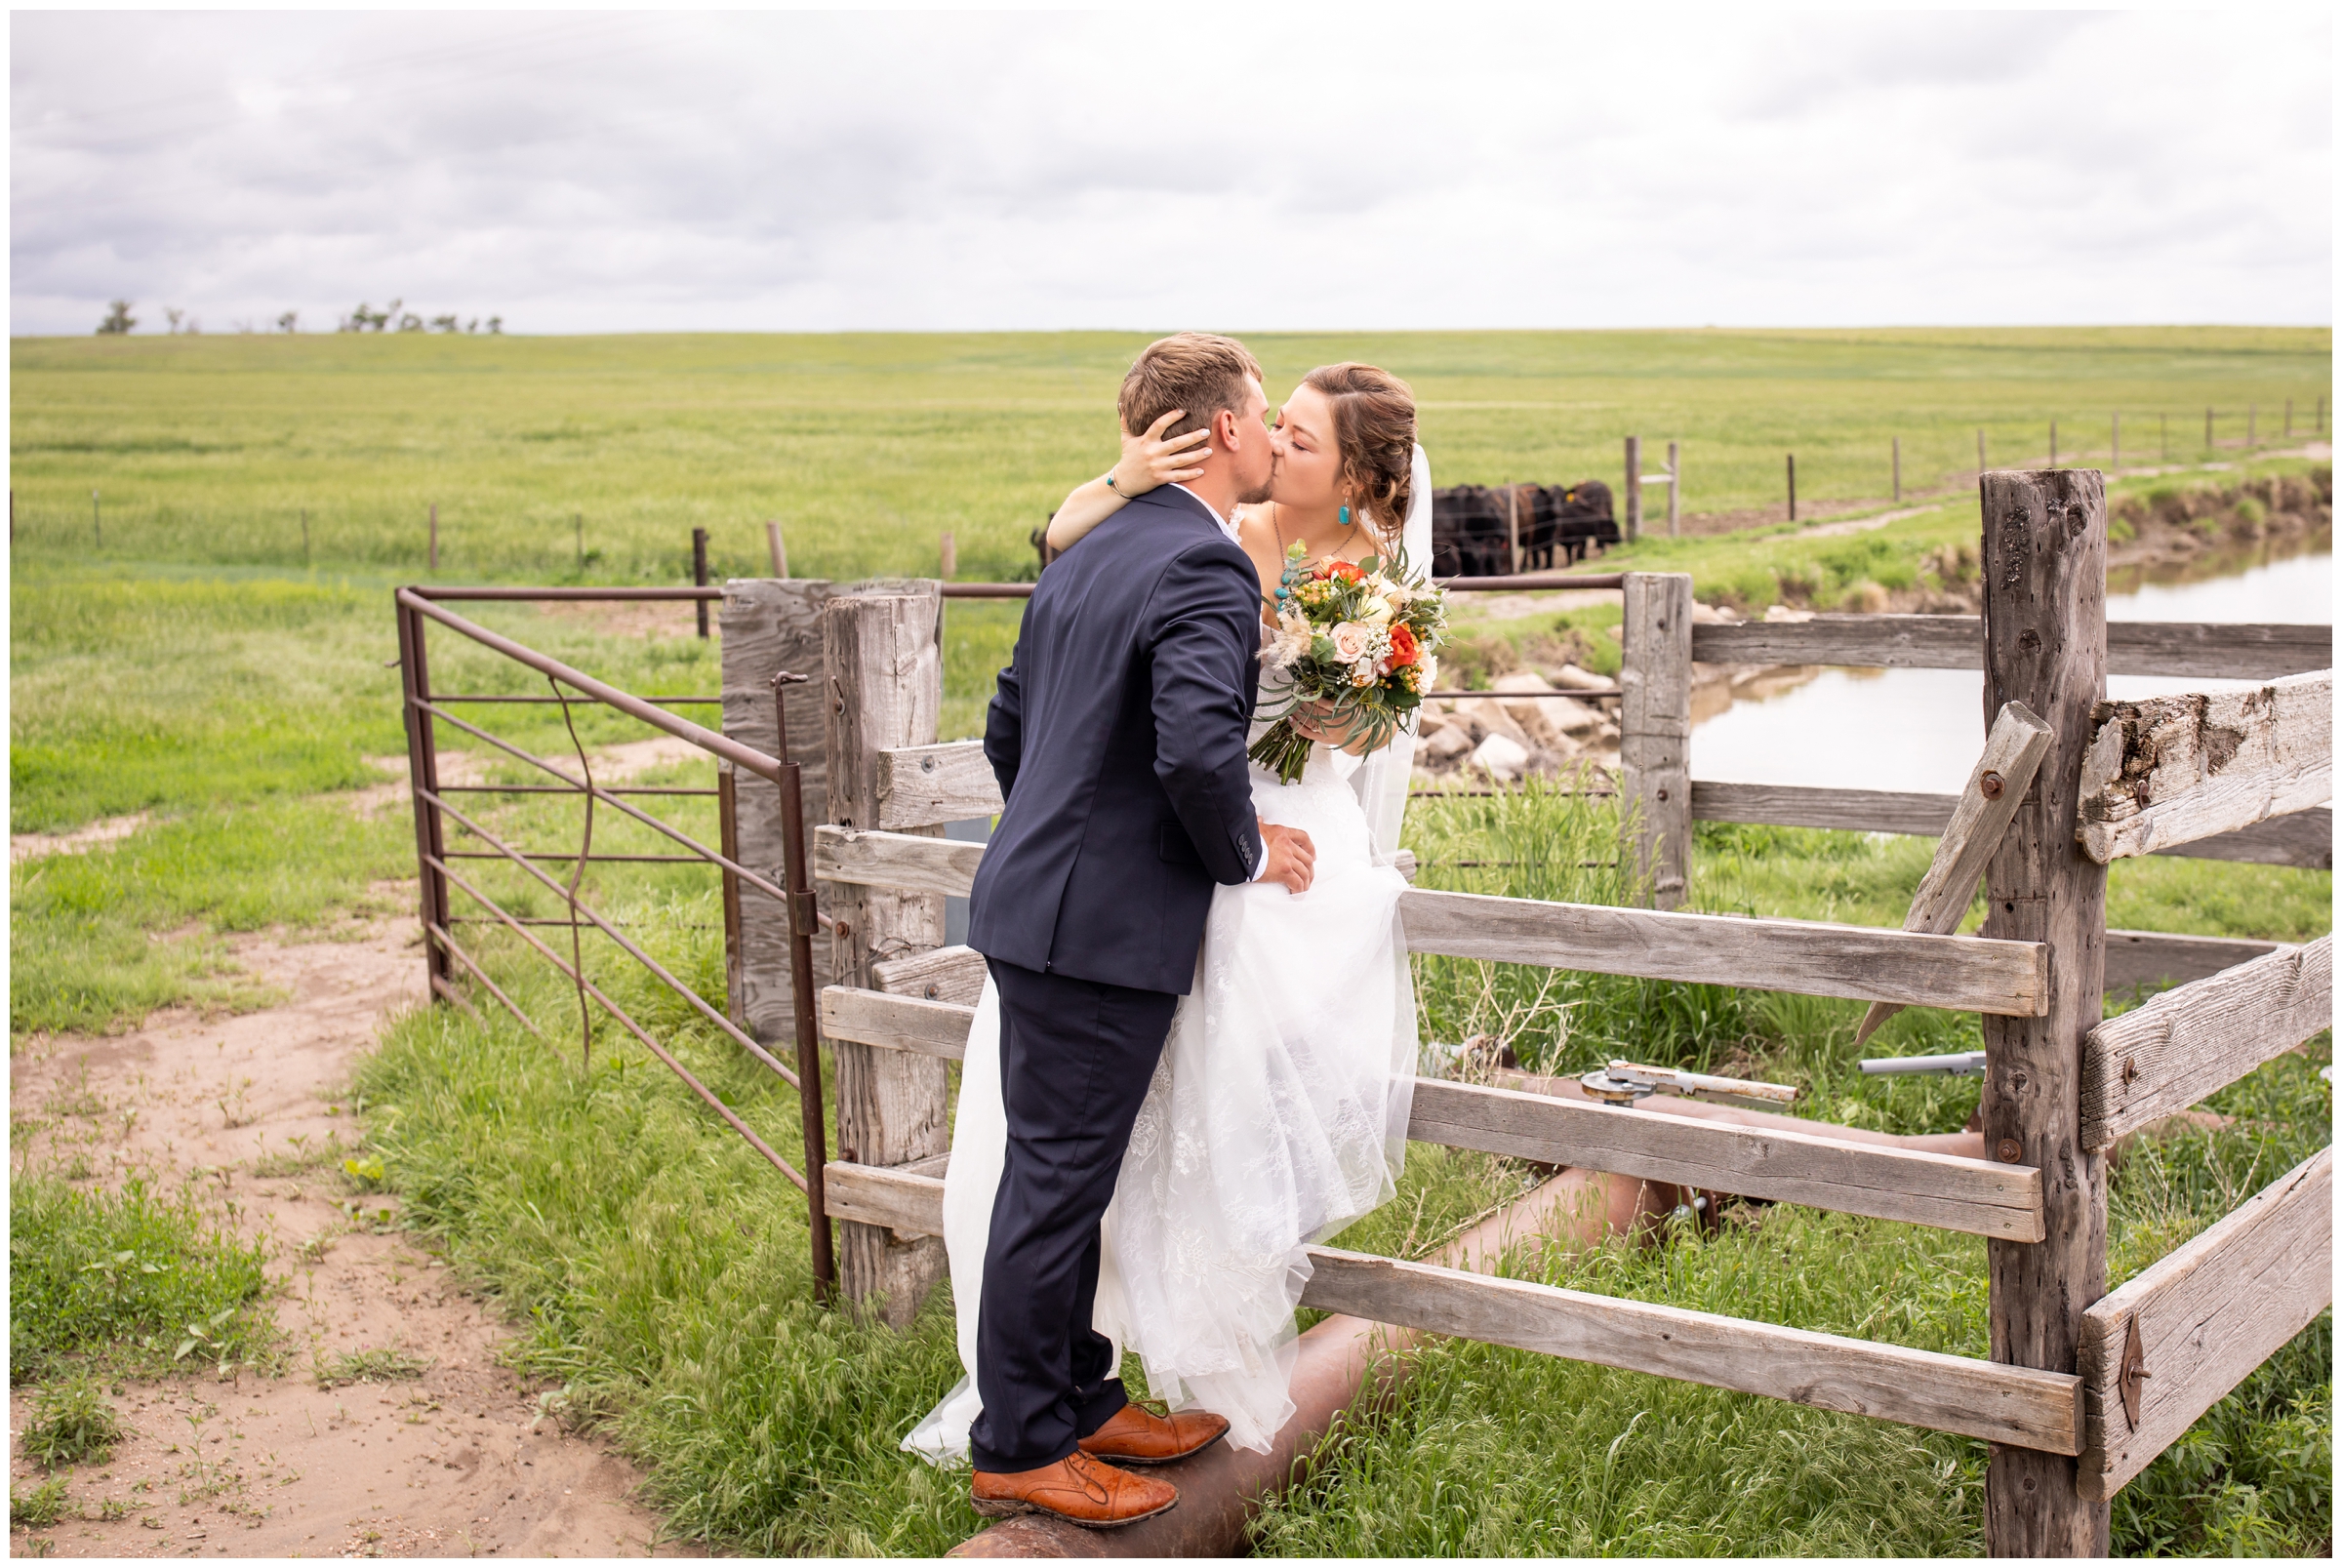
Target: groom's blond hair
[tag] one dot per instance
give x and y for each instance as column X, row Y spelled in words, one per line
column 1199, row 372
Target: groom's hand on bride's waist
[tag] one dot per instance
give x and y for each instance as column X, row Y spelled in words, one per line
column 1292, row 858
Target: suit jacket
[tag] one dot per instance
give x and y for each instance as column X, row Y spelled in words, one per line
column 1117, row 733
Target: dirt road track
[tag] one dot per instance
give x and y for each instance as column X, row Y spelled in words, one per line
column 458, row 1461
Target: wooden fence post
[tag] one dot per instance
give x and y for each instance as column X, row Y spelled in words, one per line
column 885, row 689
column 1634, row 487
column 767, row 628
column 2045, row 645
column 772, row 542
column 699, row 575
column 1654, row 745
column 1675, row 488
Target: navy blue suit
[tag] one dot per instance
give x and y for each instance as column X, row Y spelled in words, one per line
column 1117, row 733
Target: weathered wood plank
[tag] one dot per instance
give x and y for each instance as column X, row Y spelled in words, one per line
column 2045, row 645
column 2195, row 649
column 884, row 669
column 1966, row 974
column 2171, row 770
column 1977, row 1196
column 905, row 860
column 943, row 975
column 905, row 1202
column 1654, row 722
column 1925, row 642
column 2204, row 1318
column 2305, row 838
column 2011, row 1405
column 2177, row 1048
column 899, row 1023
column 1865, row 811
column 771, row 626
column 2158, row 957
column 923, row 785
column 2012, row 750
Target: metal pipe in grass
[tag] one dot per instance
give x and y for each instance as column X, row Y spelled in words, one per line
column 638, row 1030
column 738, row 1036
column 804, row 919
column 707, row 739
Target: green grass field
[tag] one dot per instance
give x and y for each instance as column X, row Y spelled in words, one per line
column 869, row 447
column 196, row 669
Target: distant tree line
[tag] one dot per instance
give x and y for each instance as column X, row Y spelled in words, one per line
column 119, row 322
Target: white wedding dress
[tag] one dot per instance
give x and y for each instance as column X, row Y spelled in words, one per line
column 1276, row 1116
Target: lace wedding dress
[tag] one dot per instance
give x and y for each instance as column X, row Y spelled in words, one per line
column 1276, row 1116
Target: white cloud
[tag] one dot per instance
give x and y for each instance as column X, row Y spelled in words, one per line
column 1257, row 170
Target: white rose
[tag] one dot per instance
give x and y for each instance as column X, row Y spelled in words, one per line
column 1375, row 612
column 1351, row 641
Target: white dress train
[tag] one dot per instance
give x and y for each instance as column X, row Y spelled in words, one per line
column 1276, row 1116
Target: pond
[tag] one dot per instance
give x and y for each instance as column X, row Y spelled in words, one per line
column 1920, row 729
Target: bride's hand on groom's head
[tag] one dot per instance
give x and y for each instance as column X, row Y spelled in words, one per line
column 1151, row 460
column 1292, row 858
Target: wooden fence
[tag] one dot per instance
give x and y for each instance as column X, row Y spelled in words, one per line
column 2083, row 1387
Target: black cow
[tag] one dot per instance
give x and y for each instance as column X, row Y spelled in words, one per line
column 1472, row 526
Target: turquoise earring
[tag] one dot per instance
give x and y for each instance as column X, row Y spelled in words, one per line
column 1345, row 515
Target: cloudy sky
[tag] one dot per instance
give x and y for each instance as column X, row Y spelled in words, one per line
column 1258, row 168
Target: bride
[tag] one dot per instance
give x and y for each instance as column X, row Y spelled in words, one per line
column 1278, row 1112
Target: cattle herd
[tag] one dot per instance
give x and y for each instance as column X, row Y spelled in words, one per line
column 1472, row 526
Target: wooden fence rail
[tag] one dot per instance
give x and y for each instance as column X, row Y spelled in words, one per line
column 2174, row 769
column 2164, row 1349
column 2193, row 650
column 1984, row 1197
column 2195, row 1041
column 1867, row 963
column 1920, row 1388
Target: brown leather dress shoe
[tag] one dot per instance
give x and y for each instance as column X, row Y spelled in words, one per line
column 1137, row 1436
column 1078, row 1489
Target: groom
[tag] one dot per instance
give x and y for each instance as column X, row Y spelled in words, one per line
column 1118, row 735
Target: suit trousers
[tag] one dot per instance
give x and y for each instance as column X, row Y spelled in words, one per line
column 1075, row 1059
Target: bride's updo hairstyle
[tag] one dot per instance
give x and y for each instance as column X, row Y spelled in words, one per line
column 1374, row 425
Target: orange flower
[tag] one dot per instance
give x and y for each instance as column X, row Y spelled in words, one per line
column 1346, row 571
column 1403, row 648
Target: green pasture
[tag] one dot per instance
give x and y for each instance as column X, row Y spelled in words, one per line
column 196, row 668
column 868, row 446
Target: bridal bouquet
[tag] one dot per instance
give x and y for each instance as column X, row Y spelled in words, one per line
column 1357, row 640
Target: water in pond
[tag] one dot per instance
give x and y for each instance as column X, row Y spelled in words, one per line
column 1920, row 729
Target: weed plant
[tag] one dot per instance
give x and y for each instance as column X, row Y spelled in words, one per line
column 113, row 1280
column 72, row 1422
column 40, row 1507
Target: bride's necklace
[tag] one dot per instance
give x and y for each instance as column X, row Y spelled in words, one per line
column 1277, row 524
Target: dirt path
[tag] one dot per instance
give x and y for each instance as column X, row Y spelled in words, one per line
column 458, row 1459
